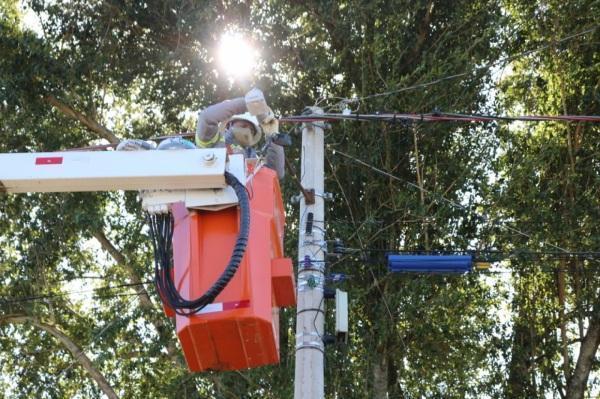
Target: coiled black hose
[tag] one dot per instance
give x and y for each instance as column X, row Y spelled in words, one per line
column 161, row 232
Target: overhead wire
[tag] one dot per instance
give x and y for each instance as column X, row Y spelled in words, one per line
column 42, row 297
column 515, row 253
column 373, row 276
column 395, row 117
column 436, row 116
column 98, row 335
column 484, row 217
column 484, row 68
column 386, row 93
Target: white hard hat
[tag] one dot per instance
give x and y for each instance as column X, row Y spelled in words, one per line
column 248, row 117
column 246, row 139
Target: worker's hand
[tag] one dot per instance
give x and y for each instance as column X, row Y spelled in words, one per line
column 266, row 117
column 255, row 102
column 270, row 126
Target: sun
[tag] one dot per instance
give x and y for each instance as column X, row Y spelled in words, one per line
column 237, row 58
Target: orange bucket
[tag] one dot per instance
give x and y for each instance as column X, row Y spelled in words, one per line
column 240, row 328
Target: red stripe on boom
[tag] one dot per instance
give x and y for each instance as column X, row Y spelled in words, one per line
column 49, row 160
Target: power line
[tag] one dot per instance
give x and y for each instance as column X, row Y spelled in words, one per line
column 387, row 93
column 452, row 203
column 35, row 298
column 438, row 117
column 475, row 252
column 98, row 335
column 485, row 67
column 28, row 300
column 396, row 117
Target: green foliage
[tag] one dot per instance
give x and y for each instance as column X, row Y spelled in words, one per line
column 548, row 186
column 135, row 67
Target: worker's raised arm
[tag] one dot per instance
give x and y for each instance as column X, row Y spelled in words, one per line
column 207, row 129
column 248, row 118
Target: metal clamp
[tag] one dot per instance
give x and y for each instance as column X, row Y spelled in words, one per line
column 312, row 269
column 311, row 125
column 305, row 334
column 325, row 195
column 312, row 343
column 319, row 243
column 309, row 195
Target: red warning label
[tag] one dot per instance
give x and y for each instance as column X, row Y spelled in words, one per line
column 49, row 160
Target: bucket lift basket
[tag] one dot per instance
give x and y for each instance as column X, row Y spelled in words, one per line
column 240, row 328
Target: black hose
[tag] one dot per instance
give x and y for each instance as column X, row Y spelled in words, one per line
column 161, row 231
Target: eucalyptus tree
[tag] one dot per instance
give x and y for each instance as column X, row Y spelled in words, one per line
column 411, row 336
column 548, row 188
column 103, row 71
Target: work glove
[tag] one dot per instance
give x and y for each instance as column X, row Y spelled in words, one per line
column 266, row 117
column 270, row 125
column 256, row 103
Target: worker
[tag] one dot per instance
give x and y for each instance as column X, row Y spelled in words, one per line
column 229, row 124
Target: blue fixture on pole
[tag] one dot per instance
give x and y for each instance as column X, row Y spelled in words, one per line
column 456, row 264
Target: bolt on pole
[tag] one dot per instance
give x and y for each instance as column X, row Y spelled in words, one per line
column 310, row 319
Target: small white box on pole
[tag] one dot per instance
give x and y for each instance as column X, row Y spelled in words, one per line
column 341, row 316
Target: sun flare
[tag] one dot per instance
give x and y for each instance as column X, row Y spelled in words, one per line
column 237, row 57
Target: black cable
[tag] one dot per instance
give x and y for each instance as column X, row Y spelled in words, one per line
column 161, row 232
column 475, row 252
column 440, row 117
column 41, row 297
column 18, row 300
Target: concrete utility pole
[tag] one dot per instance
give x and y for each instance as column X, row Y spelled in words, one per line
column 310, row 320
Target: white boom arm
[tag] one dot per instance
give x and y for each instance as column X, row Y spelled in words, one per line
column 194, row 176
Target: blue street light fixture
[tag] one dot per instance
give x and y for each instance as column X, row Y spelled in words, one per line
column 453, row 264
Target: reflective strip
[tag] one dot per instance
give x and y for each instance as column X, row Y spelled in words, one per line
column 223, row 306
column 209, row 143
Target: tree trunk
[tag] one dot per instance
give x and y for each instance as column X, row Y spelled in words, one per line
column 418, row 166
column 519, row 383
column 587, row 353
column 88, row 122
column 380, row 377
column 68, row 343
column 563, row 320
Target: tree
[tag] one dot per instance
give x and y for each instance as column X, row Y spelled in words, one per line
column 548, row 188
column 99, row 72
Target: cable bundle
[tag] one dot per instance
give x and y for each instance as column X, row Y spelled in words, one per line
column 161, row 232
column 436, row 117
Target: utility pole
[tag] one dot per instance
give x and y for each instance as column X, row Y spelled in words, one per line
column 310, row 319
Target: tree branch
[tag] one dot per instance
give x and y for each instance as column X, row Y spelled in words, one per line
column 68, row 343
column 118, row 257
column 587, row 353
column 88, row 122
column 145, row 302
column 424, row 29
